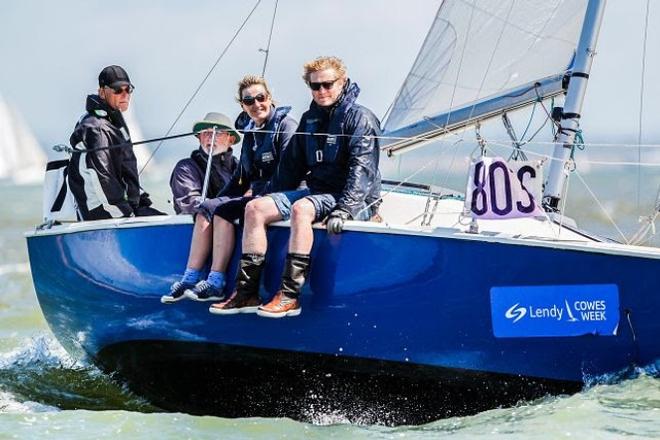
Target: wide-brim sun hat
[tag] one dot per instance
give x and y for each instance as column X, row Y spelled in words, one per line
column 219, row 121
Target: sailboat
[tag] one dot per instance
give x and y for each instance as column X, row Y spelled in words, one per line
column 143, row 153
column 455, row 304
column 22, row 159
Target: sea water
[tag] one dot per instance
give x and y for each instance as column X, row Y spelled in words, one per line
column 45, row 393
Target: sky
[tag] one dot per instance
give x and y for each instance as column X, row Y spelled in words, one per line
column 52, row 52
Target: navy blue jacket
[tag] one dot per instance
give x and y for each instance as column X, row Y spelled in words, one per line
column 344, row 162
column 261, row 151
column 187, row 179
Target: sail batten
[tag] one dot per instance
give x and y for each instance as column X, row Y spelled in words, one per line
column 477, row 54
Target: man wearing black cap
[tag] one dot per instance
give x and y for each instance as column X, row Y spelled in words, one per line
column 104, row 181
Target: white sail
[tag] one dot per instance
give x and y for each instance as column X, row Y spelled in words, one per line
column 22, row 161
column 142, row 152
column 481, row 56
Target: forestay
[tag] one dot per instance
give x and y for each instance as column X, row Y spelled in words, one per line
column 484, row 56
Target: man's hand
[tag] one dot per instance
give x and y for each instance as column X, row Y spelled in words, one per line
column 335, row 221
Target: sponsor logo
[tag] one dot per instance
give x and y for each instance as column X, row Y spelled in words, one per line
column 581, row 310
column 554, row 310
column 516, row 313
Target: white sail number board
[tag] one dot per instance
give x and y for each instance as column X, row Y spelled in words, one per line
column 498, row 189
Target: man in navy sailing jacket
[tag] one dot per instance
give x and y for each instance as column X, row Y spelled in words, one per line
column 104, row 181
column 336, row 151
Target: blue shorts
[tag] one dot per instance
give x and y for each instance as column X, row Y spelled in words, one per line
column 323, row 204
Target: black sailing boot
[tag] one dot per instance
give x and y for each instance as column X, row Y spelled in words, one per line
column 285, row 302
column 245, row 298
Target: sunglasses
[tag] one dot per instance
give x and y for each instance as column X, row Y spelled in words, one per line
column 249, row 100
column 327, row 85
column 119, row 90
column 209, row 132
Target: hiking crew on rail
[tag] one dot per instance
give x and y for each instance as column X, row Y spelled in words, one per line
column 336, row 150
column 266, row 137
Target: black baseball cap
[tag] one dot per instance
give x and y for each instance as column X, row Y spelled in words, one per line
column 114, row 76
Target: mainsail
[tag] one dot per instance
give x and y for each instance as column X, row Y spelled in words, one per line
column 481, row 58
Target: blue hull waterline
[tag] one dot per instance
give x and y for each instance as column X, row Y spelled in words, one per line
column 429, row 324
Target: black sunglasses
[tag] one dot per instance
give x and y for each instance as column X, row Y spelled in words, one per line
column 119, row 89
column 327, row 85
column 249, row 100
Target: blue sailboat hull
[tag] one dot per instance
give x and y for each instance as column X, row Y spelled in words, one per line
column 396, row 309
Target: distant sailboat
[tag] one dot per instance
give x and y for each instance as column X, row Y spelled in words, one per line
column 142, row 152
column 22, row 161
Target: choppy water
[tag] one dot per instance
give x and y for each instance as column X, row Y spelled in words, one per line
column 45, row 393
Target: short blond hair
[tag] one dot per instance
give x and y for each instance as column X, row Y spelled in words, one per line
column 249, row 81
column 323, row 63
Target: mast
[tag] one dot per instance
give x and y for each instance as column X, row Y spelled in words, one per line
column 570, row 120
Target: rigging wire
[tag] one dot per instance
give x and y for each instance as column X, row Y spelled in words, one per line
column 611, row 220
column 647, row 229
column 588, row 188
column 201, row 84
column 641, row 105
column 270, row 37
column 498, row 142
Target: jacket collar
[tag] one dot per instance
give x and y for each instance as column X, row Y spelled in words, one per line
column 99, row 108
column 276, row 115
column 225, row 158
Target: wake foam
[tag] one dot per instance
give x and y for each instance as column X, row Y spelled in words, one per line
column 9, row 403
column 38, row 352
column 40, row 375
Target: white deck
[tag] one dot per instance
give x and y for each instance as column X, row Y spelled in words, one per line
column 403, row 214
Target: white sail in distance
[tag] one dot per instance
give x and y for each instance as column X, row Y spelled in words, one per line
column 481, row 57
column 22, row 161
column 142, row 152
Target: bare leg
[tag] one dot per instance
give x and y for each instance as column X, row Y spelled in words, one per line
column 302, row 235
column 200, row 245
column 296, row 266
column 223, row 243
column 258, row 214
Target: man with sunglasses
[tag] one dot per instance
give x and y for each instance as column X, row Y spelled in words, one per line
column 102, row 172
column 336, row 151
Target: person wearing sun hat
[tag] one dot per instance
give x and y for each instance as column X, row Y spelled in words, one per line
column 267, row 132
column 187, row 178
